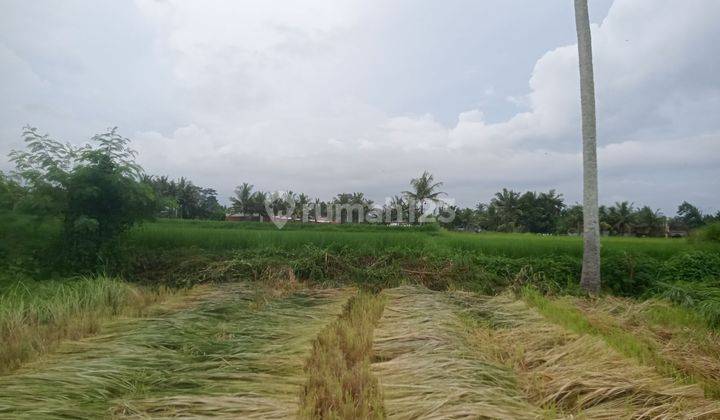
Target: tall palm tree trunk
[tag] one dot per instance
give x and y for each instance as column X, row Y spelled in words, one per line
column 590, row 280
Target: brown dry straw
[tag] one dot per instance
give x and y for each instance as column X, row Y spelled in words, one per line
column 224, row 356
column 678, row 336
column 428, row 369
column 576, row 374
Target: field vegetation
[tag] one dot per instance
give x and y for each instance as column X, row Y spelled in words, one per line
column 36, row 315
column 109, row 310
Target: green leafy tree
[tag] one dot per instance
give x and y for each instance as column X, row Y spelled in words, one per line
column 96, row 189
column 647, row 222
column 256, row 204
column 571, row 219
column 11, row 192
column 397, row 210
column 539, row 213
column 301, row 201
column 351, row 207
column 690, row 215
column 184, row 200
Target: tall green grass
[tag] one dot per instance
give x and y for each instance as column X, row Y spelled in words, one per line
column 291, row 226
column 158, row 236
column 36, row 315
column 224, row 236
column 532, row 245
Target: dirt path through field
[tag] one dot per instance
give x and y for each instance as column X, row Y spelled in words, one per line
column 233, row 353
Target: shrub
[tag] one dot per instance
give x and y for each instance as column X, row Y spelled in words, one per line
column 691, row 266
column 710, row 233
column 628, row 274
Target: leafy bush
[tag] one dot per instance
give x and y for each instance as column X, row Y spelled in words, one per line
column 28, row 244
column 710, row 233
column 691, row 266
column 628, row 274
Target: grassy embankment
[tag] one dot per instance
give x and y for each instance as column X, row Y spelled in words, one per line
column 684, row 272
column 187, row 252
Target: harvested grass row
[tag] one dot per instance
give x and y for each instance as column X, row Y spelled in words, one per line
column 636, row 341
column 574, row 373
column 428, row 369
column 340, row 383
column 230, row 354
column 677, row 335
column 35, row 316
column 564, row 313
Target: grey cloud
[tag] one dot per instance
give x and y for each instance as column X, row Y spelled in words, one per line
column 326, row 97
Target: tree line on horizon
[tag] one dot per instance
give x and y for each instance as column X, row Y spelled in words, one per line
column 507, row 211
column 547, row 213
column 56, row 179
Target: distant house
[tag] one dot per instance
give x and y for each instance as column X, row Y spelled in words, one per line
column 240, row 217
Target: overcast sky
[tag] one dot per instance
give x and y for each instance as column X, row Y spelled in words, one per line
column 339, row 96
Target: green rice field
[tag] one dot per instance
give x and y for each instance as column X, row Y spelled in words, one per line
column 242, row 320
column 223, row 236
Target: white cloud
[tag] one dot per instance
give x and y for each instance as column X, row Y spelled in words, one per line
column 286, row 95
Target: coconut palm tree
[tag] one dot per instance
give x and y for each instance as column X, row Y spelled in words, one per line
column 590, row 278
column 507, row 208
column 620, row 217
column 241, row 201
column 424, row 189
column 648, row 222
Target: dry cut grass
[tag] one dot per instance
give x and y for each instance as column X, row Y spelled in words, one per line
column 36, row 315
column 233, row 353
column 676, row 335
column 429, row 370
column 576, row 374
column 340, row 383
